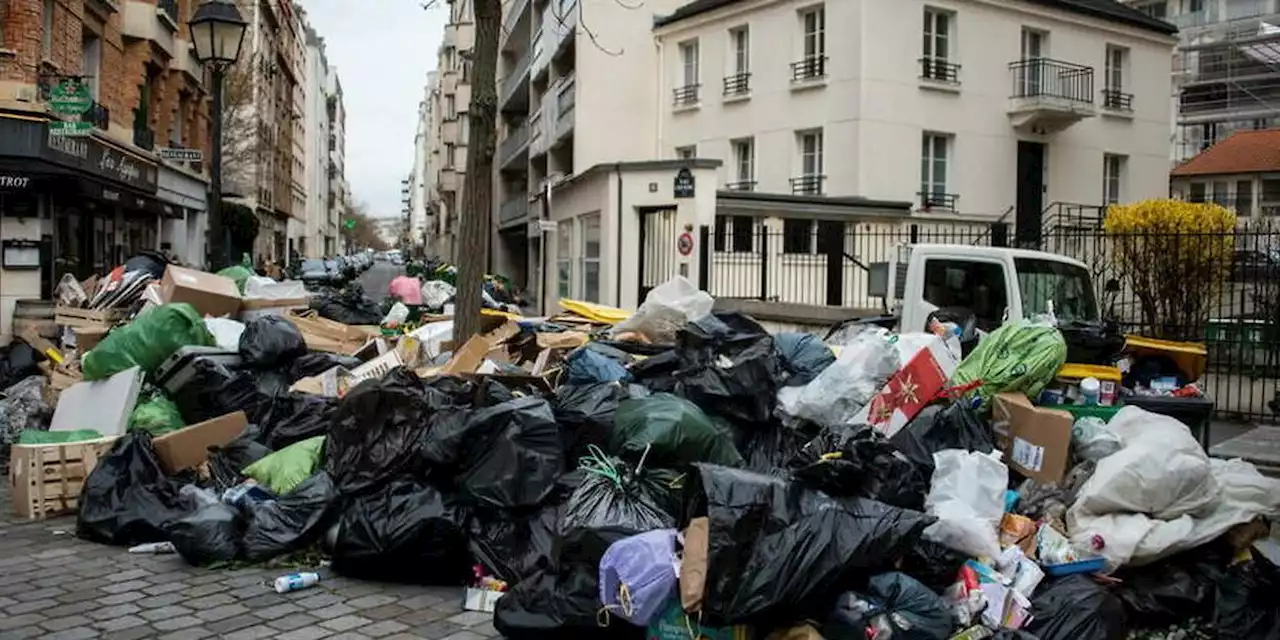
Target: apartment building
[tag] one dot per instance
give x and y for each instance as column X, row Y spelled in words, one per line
column 421, row 178
column 297, row 223
column 448, row 104
column 339, row 192
column 1226, row 70
column 81, row 203
column 322, row 219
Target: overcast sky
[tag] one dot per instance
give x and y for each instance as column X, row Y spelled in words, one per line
column 383, row 50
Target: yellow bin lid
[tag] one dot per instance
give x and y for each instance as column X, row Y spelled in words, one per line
column 1189, row 356
column 1082, row 371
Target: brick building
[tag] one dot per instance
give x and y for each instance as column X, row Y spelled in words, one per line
column 82, row 204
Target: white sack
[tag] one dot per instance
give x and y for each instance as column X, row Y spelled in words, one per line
column 839, row 392
column 667, row 308
column 967, row 496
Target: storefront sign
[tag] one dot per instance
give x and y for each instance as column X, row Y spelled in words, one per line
column 97, row 158
column 14, row 182
column 180, row 155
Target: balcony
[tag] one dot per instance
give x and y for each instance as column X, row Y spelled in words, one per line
column 144, row 138
column 566, row 26
column 513, row 210
column 810, row 185
column 1114, row 100
column 447, row 179
column 147, row 21
column 939, row 70
column 935, row 201
column 515, row 87
column 449, row 131
column 537, row 137
column 516, row 142
column 741, row 185
column 1050, row 95
column 168, row 10
column 686, row 96
column 516, row 9
column 810, row 69
column 98, row 115
column 566, row 98
column 737, row 85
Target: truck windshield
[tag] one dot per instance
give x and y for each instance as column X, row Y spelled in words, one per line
column 1067, row 285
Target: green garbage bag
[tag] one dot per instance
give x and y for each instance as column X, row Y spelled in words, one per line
column 287, row 468
column 147, row 341
column 156, row 414
column 239, row 274
column 670, row 432
column 34, row 436
column 1019, row 356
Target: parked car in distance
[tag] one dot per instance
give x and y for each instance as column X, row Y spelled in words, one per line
column 313, row 271
column 336, row 277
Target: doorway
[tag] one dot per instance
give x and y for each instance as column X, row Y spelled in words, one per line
column 1030, row 197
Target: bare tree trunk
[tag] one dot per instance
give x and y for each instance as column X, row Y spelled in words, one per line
column 477, row 196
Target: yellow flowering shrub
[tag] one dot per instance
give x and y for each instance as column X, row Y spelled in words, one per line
column 1174, row 256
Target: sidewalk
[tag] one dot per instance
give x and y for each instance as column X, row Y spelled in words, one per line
column 54, row 586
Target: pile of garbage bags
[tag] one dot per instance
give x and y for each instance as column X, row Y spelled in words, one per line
column 716, row 479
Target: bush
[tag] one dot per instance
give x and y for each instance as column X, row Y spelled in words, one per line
column 1174, row 256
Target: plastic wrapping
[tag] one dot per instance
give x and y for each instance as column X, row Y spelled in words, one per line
column 1019, row 356
column 318, row 362
column 209, row 535
column 239, row 274
column 18, row 361
column 375, row 431
column 226, row 332
column 612, row 502
column 271, row 341
column 803, row 356
column 156, row 414
column 396, row 315
column 403, row 532
column 637, row 575
column 836, row 395
column 936, row 428
column 667, row 308
column 406, row 289
column 147, row 341
column 669, row 431
column 729, row 367
column 284, row 470
column 127, row 499
column 1091, row 439
column 967, row 496
column 1245, row 602
column 290, row 522
column 587, row 366
column 513, row 454
column 22, row 408
column 437, row 293
column 858, row 464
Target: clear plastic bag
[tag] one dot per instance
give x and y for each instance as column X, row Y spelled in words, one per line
column 1092, row 440
column 967, row 496
column 837, row 394
column 436, row 293
column 397, row 315
column 667, row 308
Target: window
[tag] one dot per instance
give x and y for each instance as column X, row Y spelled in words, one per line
column 464, row 70
column 1196, row 192
column 933, row 169
column 797, row 236
column 744, row 163
column 464, row 128
column 687, row 153
column 590, row 225
column 91, row 61
column 741, row 39
column 737, row 233
column 1220, row 196
column 811, row 153
column 48, row 29
column 814, row 22
column 937, row 34
column 1066, row 286
column 1244, row 197
column 564, row 259
column 1113, row 179
column 1158, row 10
column 689, row 62
column 1195, row 6
column 1113, row 94
column 976, row 286
column 449, row 151
column 1033, row 49
column 179, row 121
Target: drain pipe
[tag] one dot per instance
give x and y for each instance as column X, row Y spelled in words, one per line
column 617, row 287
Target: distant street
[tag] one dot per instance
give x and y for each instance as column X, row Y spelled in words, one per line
column 377, row 278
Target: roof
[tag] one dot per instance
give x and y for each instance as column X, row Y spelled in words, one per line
column 1243, row 152
column 1108, row 10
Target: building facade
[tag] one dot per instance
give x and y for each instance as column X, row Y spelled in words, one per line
column 447, row 102
column 322, row 192
column 1226, row 70
column 81, row 204
column 1241, row 173
column 338, row 199
column 421, row 178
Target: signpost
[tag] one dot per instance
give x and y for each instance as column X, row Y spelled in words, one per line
column 178, row 154
column 70, row 98
column 70, row 129
column 349, row 223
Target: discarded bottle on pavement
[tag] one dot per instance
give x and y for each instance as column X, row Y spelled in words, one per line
column 296, row 581
column 157, row 548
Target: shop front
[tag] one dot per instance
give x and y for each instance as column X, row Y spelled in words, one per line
column 184, row 214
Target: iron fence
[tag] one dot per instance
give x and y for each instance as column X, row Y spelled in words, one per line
column 1219, row 289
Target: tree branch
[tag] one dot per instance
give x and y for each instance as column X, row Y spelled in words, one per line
column 582, row 22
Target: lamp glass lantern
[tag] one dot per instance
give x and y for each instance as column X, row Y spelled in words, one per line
column 217, row 31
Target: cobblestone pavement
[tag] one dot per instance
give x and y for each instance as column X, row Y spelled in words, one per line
column 55, row 586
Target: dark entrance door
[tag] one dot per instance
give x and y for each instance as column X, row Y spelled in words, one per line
column 1030, row 202
column 658, row 259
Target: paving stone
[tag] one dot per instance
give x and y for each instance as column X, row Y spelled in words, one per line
column 22, row 634
column 215, row 600
column 485, row 629
column 190, row 633
column 275, row 612
column 132, row 633
column 166, row 587
column 162, row 613
column 263, row 600
column 421, row 601
column 81, row 595
column 172, row 624
column 384, row 628
column 233, row 623
column 306, row 633
column 30, row 595
column 132, row 574
column 156, row 602
column 372, row 600
column 436, row 630
column 131, row 585
column 385, row 612
column 332, row 611
column 252, row 633
column 345, row 623
column 425, row 616
column 34, row 605
column 114, row 611
column 319, row 600
column 464, row 635
column 224, row 611
column 291, row 621
column 121, row 598
column 121, row 622
column 470, row 618
column 69, row 609
column 206, row 577
column 75, row 633
column 204, row 590
column 65, row 622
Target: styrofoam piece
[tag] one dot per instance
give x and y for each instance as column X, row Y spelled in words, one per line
column 102, row 405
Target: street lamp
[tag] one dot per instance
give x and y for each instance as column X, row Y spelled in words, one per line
column 217, row 31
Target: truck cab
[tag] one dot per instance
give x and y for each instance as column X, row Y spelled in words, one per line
column 996, row 284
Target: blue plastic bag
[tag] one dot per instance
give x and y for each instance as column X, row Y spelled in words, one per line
column 586, row 366
column 637, row 575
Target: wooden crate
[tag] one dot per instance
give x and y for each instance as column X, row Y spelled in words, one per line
column 45, row 479
column 77, row 317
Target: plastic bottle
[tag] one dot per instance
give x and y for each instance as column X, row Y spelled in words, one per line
column 157, row 548
column 1090, row 390
column 296, row 581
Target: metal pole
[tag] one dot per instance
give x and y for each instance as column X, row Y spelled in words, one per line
column 217, row 227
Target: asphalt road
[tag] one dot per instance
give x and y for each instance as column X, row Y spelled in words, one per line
column 377, row 278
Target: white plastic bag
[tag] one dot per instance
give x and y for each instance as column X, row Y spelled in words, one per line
column 433, row 336
column 839, row 392
column 397, row 315
column 667, row 308
column 967, row 496
column 435, row 293
column 1092, row 440
column 260, row 288
column 226, row 332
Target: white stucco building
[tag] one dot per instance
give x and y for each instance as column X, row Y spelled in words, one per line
column 321, row 227
column 339, row 191
column 421, row 179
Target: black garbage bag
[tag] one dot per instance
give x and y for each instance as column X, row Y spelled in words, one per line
column 781, row 552
column 348, row 306
column 586, row 413
column 1076, row 608
column 317, row 362
column 937, row 427
column 657, row 373
column 18, row 361
column 559, row 605
column 375, row 431
column 1173, row 590
column 211, row 534
column 1247, row 606
column 153, row 263
column 769, row 448
column 934, row 565
column 729, row 367
column 860, row 463
column 226, row 463
column 403, row 532
column 895, row 602
column 514, row 545
column 294, row 417
column 669, row 431
column 290, row 522
column 803, row 357
column 1092, row 342
column 271, row 341
column 612, row 502
column 127, row 499
column 214, row 391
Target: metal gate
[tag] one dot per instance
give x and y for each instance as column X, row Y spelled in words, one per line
column 658, row 259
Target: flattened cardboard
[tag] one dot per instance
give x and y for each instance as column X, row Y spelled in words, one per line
column 1036, row 441
column 189, row 447
column 88, row 337
column 211, row 294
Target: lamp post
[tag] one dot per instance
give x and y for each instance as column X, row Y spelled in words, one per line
column 217, row 31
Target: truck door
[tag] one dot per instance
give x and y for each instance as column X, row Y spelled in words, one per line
column 974, row 284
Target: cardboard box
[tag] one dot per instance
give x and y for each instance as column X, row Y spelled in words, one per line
column 1036, row 441
column 483, row 600
column 189, row 447
column 930, row 361
column 88, row 337
column 210, row 294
